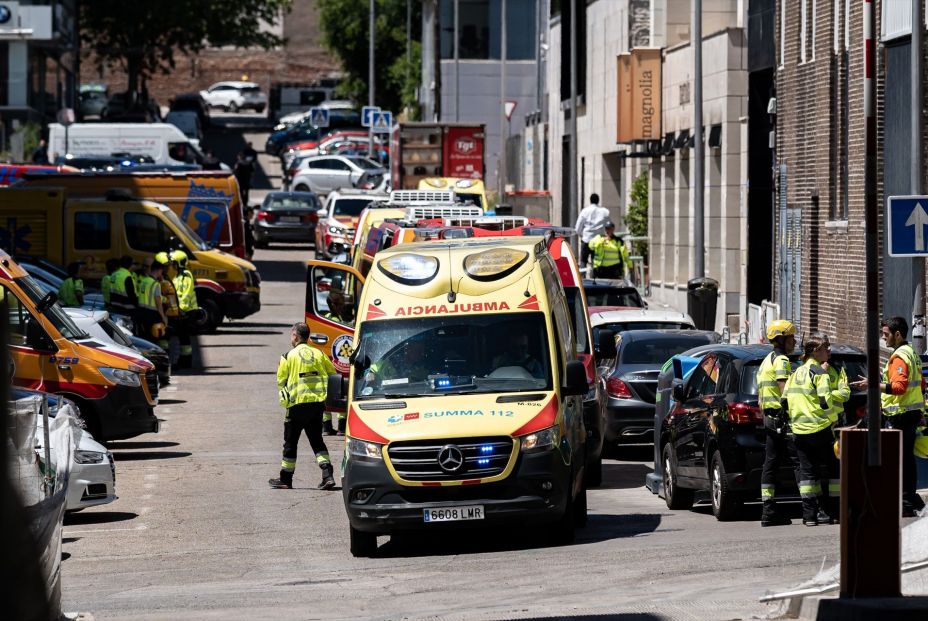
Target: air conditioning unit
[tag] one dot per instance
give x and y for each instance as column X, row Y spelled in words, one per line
column 427, row 212
column 405, row 197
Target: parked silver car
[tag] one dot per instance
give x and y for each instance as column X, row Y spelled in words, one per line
column 326, row 173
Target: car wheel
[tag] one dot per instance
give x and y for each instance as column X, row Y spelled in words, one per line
column 564, row 529
column 675, row 497
column 233, row 107
column 594, row 473
column 580, row 508
column 726, row 504
column 302, row 187
column 259, row 109
column 213, row 315
column 363, row 544
column 261, row 244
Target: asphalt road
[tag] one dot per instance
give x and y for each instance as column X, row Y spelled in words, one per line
column 197, row 534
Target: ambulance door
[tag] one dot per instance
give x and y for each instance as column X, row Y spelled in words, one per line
column 38, row 363
column 332, row 294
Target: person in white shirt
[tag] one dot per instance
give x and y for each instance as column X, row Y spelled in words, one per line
column 590, row 223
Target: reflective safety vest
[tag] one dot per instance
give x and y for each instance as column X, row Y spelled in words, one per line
column 106, row 283
column 303, row 375
column 608, row 251
column 774, row 369
column 912, row 399
column 119, row 292
column 147, row 296
column 808, row 397
column 184, row 285
column 67, row 292
column 840, row 392
column 169, row 298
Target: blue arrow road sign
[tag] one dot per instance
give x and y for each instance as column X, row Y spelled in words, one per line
column 367, row 115
column 319, row 117
column 906, row 219
column 383, row 121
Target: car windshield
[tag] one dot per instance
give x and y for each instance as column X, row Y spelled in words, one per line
column 619, row 296
column 181, row 225
column 65, row 326
column 366, row 164
column 659, row 350
column 292, row 202
column 114, row 332
column 350, row 206
column 452, row 355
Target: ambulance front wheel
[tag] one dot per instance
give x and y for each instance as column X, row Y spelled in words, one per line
column 363, row 545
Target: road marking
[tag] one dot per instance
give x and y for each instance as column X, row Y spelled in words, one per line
column 151, row 477
column 149, row 485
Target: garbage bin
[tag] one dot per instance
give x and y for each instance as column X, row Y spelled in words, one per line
column 701, row 298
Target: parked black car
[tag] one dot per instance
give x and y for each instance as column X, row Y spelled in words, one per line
column 630, row 383
column 193, row 102
column 608, row 292
column 713, row 439
column 304, row 130
column 287, row 217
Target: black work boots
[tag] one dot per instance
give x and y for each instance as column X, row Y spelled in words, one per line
column 280, row 484
column 328, row 481
column 772, row 516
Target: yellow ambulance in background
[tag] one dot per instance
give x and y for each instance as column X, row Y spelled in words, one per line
column 465, row 190
column 465, row 391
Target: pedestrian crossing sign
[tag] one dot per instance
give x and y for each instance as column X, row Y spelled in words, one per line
column 383, row 121
column 319, row 117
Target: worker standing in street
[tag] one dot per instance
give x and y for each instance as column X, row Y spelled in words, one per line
column 902, row 395
column 302, row 379
column 71, row 291
column 610, row 256
column 123, row 296
column 185, row 286
column 169, row 305
column 590, row 223
column 810, row 400
column 151, row 312
column 106, row 283
column 772, row 375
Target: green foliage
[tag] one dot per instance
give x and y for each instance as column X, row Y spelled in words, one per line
column 637, row 217
column 142, row 37
column 344, row 24
column 32, row 133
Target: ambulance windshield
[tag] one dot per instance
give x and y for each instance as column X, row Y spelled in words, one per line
column 452, row 355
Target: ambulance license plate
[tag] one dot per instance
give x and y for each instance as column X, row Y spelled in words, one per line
column 291, row 219
column 453, row 514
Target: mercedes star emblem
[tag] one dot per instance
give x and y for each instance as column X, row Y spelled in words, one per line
column 450, row 458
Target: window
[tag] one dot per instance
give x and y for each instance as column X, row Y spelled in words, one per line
column 812, row 36
column 339, row 166
column 479, row 29
column 704, row 378
column 92, row 230
column 146, row 233
column 25, row 330
column 803, row 30
column 782, row 33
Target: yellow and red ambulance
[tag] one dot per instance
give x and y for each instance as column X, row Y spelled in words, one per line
column 48, row 352
column 465, row 391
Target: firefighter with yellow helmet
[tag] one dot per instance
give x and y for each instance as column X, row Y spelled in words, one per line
column 772, row 375
column 150, row 306
column 185, row 286
column 168, row 303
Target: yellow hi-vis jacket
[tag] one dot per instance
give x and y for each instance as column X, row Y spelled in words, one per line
column 608, row 251
column 303, row 375
column 912, row 399
column 774, row 368
column 184, row 285
column 808, row 398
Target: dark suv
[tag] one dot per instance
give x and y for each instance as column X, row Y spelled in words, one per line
column 713, row 440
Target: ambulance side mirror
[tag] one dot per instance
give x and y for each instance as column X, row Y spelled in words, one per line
column 575, row 376
column 336, row 395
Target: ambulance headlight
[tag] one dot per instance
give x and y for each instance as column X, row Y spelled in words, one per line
column 541, row 441
column 464, row 183
column 120, row 376
column 436, row 182
column 409, row 269
column 493, row 264
column 365, row 451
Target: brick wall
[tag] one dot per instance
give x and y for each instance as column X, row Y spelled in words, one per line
column 302, row 59
column 808, row 143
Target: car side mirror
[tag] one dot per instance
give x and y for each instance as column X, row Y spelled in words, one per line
column 678, row 392
column 606, row 347
column 35, row 336
column 47, row 301
column 323, row 213
column 337, row 392
column 575, row 379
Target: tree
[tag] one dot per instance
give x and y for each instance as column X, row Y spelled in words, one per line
column 637, row 217
column 142, row 37
column 344, row 25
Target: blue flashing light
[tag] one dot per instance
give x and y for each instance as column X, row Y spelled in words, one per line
column 486, row 449
column 443, row 382
column 484, row 461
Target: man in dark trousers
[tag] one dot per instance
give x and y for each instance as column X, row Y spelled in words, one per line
column 302, row 381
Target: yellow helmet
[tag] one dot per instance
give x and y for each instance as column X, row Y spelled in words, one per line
column 162, row 258
column 158, row 330
column 921, row 443
column 838, row 448
column 780, row 327
column 181, row 257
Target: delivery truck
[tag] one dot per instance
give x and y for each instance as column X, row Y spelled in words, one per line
column 45, row 222
column 422, row 150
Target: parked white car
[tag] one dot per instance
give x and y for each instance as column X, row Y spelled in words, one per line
column 326, row 173
column 295, row 117
column 93, row 471
column 235, row 96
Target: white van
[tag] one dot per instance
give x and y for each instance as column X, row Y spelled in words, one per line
column 162, row 142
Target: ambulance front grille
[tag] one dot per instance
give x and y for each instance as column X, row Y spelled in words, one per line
column 419, row 460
